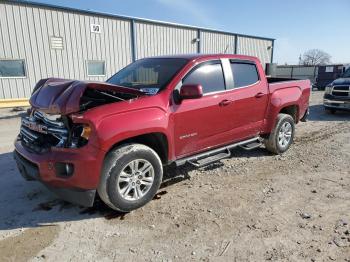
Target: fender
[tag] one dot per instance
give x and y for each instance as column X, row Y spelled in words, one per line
column 280, row 99
column 119, row 127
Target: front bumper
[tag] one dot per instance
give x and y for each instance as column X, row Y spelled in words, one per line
column 338, row 103
column 78, row 188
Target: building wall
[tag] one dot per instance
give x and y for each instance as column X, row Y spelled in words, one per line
column 26, row 34
column 163, row 40
column 26, row 30
column 212, row 42
column 255, row 47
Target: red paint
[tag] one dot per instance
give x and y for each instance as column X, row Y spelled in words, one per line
column 191, row 91
column 192, row 126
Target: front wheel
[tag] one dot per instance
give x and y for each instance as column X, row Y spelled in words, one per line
column 282, row 135
column 130, row 178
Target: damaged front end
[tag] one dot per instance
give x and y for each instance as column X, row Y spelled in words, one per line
column 40, row 131
column 49, row 122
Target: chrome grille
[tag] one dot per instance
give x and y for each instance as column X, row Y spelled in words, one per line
column 27, row 135
column 341, row 90
column 43, row 131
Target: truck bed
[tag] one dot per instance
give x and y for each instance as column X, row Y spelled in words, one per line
column 272, row 80
column 284, row 91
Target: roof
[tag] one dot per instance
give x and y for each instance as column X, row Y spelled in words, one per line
column 96, row 13
column 199, row 56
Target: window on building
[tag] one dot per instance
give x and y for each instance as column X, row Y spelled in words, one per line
column 12, row 68
column 209, row 76
column 96, row 68
column 244, row 74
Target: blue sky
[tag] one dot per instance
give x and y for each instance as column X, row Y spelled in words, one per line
column 296, row 25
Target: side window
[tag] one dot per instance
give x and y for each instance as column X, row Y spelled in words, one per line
column 210, row 76
column 244, row 74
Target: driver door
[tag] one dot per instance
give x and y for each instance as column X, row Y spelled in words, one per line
column 200, row 124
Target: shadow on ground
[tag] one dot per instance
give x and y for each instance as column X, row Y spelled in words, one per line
column 30, row 204
column 318, row 113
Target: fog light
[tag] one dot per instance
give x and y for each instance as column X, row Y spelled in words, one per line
column 64, row 169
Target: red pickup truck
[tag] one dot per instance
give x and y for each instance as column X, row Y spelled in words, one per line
column 115, row 137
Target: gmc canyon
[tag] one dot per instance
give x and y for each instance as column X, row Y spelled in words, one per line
column 115, row 137
column 337, row 94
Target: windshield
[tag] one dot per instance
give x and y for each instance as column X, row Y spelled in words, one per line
column 346, row 73
column 148, row 75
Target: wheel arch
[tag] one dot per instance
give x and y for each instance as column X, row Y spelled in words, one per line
column 158, row 141
column 292, row 110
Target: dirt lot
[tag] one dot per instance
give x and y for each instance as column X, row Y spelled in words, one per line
column 252, row 207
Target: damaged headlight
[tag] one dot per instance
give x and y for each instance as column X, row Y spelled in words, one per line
column 80, row 135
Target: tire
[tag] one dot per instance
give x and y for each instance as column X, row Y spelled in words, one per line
column 120, row 186
column 274, row 143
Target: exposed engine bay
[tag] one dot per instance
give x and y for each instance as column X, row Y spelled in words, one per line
column 94, row 97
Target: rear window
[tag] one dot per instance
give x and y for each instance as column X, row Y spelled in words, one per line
column 244, row 74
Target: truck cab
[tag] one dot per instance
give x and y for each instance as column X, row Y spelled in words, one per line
column 337, row 94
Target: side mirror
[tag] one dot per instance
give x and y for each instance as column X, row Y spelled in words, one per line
column 191, row 91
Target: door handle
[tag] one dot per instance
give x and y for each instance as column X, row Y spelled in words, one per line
column 260, row 94
column 225, row 102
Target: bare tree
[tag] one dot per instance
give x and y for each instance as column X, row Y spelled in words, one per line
column 315, row 57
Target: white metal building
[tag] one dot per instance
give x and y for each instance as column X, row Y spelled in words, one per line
column 39, row 41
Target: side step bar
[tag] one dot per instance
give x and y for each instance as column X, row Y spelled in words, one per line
column 252, row 145
column 209, row 159
column 214, row 155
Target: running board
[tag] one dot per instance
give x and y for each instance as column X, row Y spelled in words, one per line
column 217, row 154
column 209, row 159
column 252, row 145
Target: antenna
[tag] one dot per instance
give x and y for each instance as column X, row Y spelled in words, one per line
column 227, row 46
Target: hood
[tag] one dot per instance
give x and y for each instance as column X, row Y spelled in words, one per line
column 341, row 81
column 62, row 96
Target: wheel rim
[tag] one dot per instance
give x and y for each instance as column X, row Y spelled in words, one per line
column 135, row 179
column 285, row 135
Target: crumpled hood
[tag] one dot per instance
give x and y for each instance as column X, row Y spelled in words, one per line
column 341, row 81
column 62, row 96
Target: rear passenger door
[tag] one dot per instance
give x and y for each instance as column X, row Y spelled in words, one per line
column 250, row 95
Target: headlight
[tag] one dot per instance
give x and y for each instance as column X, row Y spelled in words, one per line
column 86, row 132
column 328, row 89
column 80, row 135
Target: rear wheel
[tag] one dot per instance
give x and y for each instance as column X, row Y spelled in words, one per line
column 130, row 178
column 282, row 135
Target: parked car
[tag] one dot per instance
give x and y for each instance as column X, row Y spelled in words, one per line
column 337, row 94
column 115, row 137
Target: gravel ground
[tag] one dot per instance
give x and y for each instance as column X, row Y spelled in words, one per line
column 251, row 207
